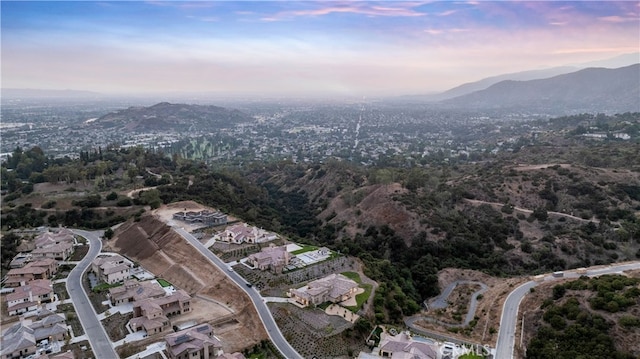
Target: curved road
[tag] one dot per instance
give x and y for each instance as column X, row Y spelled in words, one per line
column 100, row 342
column 265, row 315
column 440, row 301
column 508, row 321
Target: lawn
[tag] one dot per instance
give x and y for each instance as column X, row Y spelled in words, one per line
column 305, row 248
column 104, row 286
column 361, row 298
column 471, row 356
column 353, row 276
column 163, row 283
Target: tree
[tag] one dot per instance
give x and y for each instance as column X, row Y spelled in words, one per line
column 108, row 233
column 111, row 196
column 540, row 214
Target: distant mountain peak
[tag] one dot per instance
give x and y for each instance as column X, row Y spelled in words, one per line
column 586, row 90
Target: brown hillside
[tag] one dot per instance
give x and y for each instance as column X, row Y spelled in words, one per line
column 157, row 248
column 373, row 206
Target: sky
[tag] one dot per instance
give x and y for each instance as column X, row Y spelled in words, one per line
column 301, row 48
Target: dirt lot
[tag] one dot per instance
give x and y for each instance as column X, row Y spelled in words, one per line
column 489, row 307
column 161, row 251
column 165, row 214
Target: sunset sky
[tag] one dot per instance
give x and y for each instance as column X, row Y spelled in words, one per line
column 301, row 48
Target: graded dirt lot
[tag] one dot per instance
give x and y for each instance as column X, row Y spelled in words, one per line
column 489, row 306
column 157, row 248
column 165, row 214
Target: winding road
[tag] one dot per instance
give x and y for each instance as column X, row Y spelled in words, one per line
column 440, row 302
column 258, row 302
column 508, row 320
column 100, row 342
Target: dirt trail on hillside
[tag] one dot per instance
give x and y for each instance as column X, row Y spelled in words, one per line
column 528, row 211
column 157, row 248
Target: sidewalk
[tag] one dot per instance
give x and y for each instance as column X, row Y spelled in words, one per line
column 133, row 337
column 151, row 349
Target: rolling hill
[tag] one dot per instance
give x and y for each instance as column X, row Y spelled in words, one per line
column 178, row 117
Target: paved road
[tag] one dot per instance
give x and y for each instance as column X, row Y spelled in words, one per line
column 100, row 342
column 508, row 321
column 440, row 302
column 265, row 315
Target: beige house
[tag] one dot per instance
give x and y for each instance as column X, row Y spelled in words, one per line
column 48, row 325
column 59, row 251
column 196, row 342
column 270, row 258
column 231, row 356
column 111, row 269
column 151, row 314
column 402, row 346
column 21, row 339
column 18, row 342
column 334, row 288
column 132, row 291
column 43, row 268
column 64, row 355
column 244, row 233
column 51, row 238
column 20, row 260
column 30, row 296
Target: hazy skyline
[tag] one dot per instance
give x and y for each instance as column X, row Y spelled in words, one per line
column 301, row 48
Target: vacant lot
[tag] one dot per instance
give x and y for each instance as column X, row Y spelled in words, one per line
column 489, row 307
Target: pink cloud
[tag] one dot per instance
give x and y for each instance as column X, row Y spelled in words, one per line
column 447, row 13
column 618, row 19
column 594, row 50
column 351, row 8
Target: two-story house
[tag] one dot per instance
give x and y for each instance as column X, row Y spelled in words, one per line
column 111, row 268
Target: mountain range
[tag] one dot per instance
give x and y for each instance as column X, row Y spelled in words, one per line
column 587, row 90
column 469, row 87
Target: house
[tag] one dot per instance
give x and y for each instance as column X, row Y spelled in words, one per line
column 111, row 269
column 151, row 314
column 207, row 217
column 60, row 251
column 20, row 260
column 196, row 342
column 402, row 346
column 43, row 268
column 65, row 355
column 21, row 339
column 231, row 356
column 30, row 296
column 243, row 233
column 18, row 342
column 270, row 258
column 51, row 238
column 49, row 325
column 133, row 290
column 333, row 288
column 148, row 316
